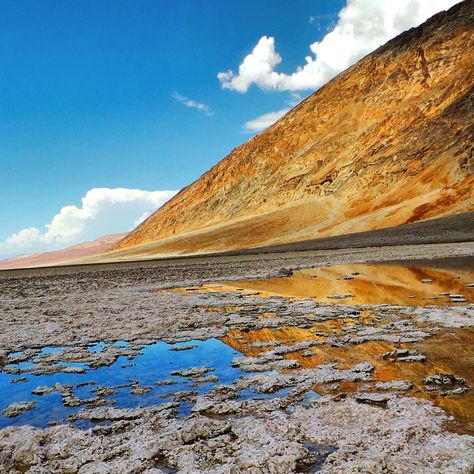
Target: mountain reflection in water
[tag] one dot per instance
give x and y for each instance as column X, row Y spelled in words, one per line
column 447, row 350
column 366, row 284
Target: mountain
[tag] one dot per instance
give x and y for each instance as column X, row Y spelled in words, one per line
column 387, row 142
column 63, row 256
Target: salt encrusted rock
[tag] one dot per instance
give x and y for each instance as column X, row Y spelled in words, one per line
column 193, row 371
column 165, row 382
column 341, row 296
column 103, row 391
column 3, row 357
column 42, row 390
column 373, row 398
column 265, row 344
column 114, row 414
column 265, row 362
column 264, row 437
column 211, row 406
column 270, row 382
column 449, row 317
column 204, row 428
column 398, row 385
column 140, row 390
column 446, row 384
column 184, row 395
column 285, row 272
column 19, row 380
column 187, row 347
column 206, row 379
column 457, row 299
column 366, row 437
column 404, row 355
column 16, row 409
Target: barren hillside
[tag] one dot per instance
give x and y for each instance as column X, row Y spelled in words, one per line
column 387, row 142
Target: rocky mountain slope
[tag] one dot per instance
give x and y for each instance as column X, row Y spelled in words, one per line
column 387, row 142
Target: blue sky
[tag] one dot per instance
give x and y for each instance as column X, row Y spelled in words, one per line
column 106, row 93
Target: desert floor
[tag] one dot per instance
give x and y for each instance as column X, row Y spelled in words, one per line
column 349, row 360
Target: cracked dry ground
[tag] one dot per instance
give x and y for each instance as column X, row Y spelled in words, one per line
column 315, row 386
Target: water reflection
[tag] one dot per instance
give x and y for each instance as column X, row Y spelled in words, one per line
column 366, row 284
column 149, row 378
column 151, row 375
column 449, row 351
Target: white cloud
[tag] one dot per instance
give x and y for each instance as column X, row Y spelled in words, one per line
column 264, row 121
column 362, row 26
column 192, row 103
column 102, row 211
column 324, row 22
column 142, row 218
column 24, row 237
column 257, row 67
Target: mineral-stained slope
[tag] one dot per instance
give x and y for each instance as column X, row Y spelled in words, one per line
column 387, row 142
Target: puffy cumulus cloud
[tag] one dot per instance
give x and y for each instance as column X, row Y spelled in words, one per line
column 24, row 237
column 263, row 121
column 102, row 211
column 362, row 26
column 257, row 68
column 192, row 103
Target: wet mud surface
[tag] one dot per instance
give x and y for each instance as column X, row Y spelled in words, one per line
column 234, row 367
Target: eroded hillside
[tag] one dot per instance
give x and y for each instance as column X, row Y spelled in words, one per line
column 387, row 142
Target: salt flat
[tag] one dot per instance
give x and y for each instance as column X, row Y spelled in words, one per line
column 133, row 367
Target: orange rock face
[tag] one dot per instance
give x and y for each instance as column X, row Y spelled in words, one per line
column 388, row 141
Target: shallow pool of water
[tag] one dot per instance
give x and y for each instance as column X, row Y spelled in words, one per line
column 155, row 363
column 448, row 351
column 365, row 284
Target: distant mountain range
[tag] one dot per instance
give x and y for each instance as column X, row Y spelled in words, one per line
column 63, row 256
